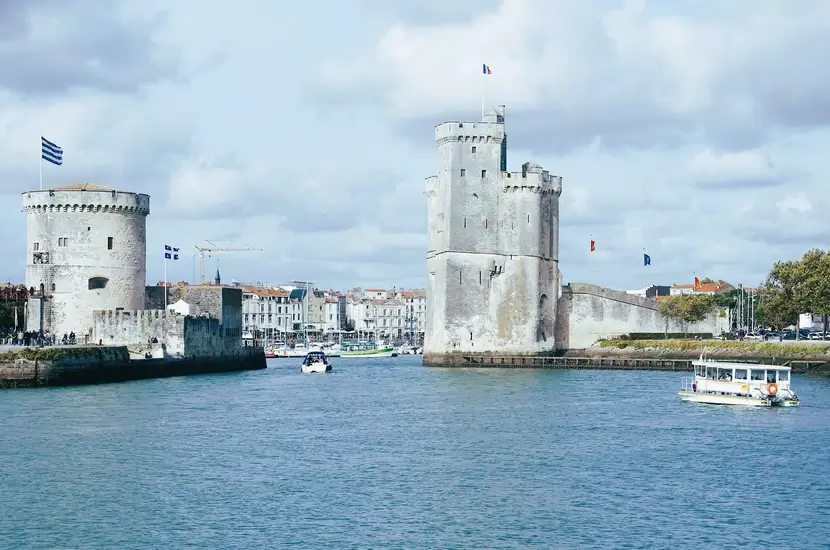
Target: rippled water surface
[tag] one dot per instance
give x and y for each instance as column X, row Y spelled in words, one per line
column 383, row 453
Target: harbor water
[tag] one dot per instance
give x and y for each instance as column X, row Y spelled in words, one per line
column 384, row 453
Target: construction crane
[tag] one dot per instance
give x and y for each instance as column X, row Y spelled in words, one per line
column 214, row 248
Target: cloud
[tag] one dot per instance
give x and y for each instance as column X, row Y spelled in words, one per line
column 50, row 48
column 739, row 170
column 626, row 76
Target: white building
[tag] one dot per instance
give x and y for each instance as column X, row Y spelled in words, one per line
column 86, row 249
column 493, row 247
column 380, row 314
column 267, row 314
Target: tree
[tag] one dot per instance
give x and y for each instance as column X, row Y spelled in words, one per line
column 688, row 308
column 781, row 294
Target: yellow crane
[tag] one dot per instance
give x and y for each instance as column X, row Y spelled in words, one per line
column 214, row 248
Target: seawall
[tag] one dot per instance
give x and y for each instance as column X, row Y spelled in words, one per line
column 74, row 365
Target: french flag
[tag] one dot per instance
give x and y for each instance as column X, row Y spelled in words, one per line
column 485, row 69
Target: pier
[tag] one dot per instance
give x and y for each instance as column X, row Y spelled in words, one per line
column 799, row 366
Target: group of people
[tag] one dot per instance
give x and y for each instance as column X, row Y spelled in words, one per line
column 36, row 338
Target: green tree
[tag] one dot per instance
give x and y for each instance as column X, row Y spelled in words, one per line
column 782, row 294
column 7, row 314
column 687, row 308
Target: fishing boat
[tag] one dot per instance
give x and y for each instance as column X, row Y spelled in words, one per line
column 748, row 384
column 315, row 362
column 366, row 349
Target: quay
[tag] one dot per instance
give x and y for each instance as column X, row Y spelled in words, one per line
column 798, row 365
column 28, row 367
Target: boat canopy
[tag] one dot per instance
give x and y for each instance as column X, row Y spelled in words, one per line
column 727, row 365
column 316, row 353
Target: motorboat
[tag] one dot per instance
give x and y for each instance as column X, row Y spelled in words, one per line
column 315, row 361
column 748, row 384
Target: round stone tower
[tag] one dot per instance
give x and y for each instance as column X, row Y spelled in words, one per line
column 86, row 249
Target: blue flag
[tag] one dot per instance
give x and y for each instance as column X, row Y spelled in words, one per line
column 646, row 259
column 51, row 152
column 171, row 253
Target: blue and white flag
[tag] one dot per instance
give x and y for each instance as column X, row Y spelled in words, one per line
column 646, row 259
column 50, row 151
column 171, row 253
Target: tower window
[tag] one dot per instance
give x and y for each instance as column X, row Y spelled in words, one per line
column 465, row 222
column 484, row 173
column 463, row 172
column 528, row 218
column 474, row 148
column 98, row 282
column 109, row 243
column 36, row 246
column 485, row 223
column 459, row 277
column 479, row 277
column 63, row 241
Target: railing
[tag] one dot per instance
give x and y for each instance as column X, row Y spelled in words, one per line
column 687, row 383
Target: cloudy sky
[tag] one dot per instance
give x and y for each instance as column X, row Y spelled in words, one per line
column 695, row 130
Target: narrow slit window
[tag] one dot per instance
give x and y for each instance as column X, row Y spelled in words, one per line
column 528, row 218
column 463, row 172
column 474, row 148
column 465, row 222
column 485, row 223
column 484, row 173
column 459, row 277
column 109, row 243
column 479, row 277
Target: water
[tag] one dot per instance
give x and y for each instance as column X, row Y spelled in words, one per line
column 388, row 454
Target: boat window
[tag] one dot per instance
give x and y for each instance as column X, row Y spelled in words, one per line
column 711, row 372
column 725, row 374
column 740, row 374
column 771, row 376
column 756, row 374
column 784, row 375
column 700, row 371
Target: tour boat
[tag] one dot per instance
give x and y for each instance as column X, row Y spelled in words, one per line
column 366, row 349
column 315, row 361
column 749, row 384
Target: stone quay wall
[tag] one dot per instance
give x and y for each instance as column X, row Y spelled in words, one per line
column 75, row 365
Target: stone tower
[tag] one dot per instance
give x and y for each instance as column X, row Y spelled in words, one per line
column 493, row 248
column 86, row 249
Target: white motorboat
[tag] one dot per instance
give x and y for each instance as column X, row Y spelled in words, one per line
column 748, row 384
column 315, row 361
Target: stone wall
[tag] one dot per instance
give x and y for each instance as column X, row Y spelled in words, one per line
column 588, row 313
column 85, row 250
column 62, row 366
column 222, row 303
column 185, row 336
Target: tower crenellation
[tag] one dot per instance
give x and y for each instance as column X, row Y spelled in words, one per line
column 493, row 245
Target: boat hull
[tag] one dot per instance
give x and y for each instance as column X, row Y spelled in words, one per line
column 739, row 400
column 385, row 352
column 315, row 369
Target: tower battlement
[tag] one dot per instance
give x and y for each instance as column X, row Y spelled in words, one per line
column 86, row 197
column 532, row 178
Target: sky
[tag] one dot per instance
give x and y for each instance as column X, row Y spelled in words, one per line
column 696, row 131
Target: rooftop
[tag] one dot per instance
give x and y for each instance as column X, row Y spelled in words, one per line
column 83, row 187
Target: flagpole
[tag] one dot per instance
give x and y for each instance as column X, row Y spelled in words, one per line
column 643, row 272
column 165, row 284
column 590, row 254
column 483, row 82
column 41, row 171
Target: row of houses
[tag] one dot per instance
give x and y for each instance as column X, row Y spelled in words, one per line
column 293, row 311
column 697, row 287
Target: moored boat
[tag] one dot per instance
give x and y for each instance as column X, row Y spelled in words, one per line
column 366, row 349
column 315, row 362
column 748, row 384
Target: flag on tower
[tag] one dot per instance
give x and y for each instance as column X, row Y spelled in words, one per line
column 51, row 152
column 646, row 259
column 593, row 245
column 171, row 253
column 485, row 69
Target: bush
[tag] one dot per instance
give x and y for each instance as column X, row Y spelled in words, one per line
column 672, row 336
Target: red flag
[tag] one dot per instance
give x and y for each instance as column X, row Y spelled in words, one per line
column 593, row 245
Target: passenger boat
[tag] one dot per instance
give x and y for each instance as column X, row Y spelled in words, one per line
column 366, row 349
column 748, row 384
column 315, row 361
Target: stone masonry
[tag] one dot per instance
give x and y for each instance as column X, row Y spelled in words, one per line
column 85, row 250
column 493, row 275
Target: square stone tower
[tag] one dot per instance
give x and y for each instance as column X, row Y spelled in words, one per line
column 493, row 253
